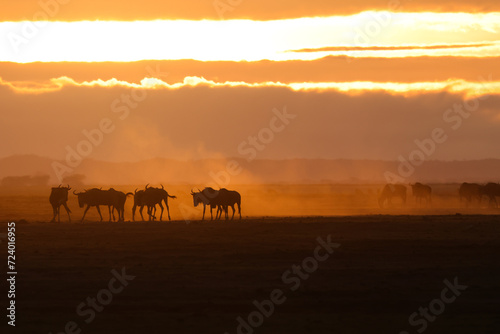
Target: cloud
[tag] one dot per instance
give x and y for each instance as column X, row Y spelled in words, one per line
column 338, row 69
column 200, row 120
column 470, row 89
column 394, row 48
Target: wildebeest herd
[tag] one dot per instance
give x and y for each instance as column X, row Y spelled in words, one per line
column 220, row 199
column 468, row 193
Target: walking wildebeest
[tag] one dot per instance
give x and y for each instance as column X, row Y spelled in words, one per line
column 491, row 190
column 138, row 202
column 227, row 198
column 206, row 196
column 469, row 192
column 392, row 190
column 421, row 192
column 153, row 196
column 118, row 199
column 96, row 197
column 58, row 197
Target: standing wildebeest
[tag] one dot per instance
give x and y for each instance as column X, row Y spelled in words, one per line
column 138, row 201
column 469, row 192
column 421, row 192
column 117, row 200
column 153, row 196
column 96, row 197
column 227, row 198
column 392, row 190
column 206, row 196
column 491, row 190
column 58, row 197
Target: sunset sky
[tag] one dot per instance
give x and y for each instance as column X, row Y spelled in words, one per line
column 199, row 79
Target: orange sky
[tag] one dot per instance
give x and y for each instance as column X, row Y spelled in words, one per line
column 359, row 84
column 69, row 10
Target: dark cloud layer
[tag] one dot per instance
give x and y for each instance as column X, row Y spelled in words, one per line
column 198, row 122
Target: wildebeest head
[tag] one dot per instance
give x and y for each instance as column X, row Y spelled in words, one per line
column 81, row 197
column 196, row 197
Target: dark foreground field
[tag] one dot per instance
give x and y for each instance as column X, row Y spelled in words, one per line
column 200, row 277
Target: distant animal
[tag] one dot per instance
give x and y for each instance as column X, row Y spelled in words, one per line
column 491, row 190
column 59, row 196
column 138, row 202
column 96, row 197
column 153, row 196
column 389, row 192
column 206, row 197
column 228, row 198
column 470, row 191
column 421, row 192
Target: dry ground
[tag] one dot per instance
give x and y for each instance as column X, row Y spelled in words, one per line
column 200, row 277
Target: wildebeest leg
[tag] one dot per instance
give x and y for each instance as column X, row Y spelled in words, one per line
column 54, row 211
column 99, row 211
column 168, row 210
column 140, row 211
column 161, row 214
column 85, row 212
column 239, row 209
column 232, row 206
column 218, row 213
column 111, row 209
column 204, row 207
column 67, row 210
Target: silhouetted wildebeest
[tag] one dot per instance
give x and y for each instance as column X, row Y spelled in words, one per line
column 138, row 202
column 390, row 191
column 206, row 196
column 118, row 199
column 59, row 196
column 226, row 198
column 421, row 192
column 469, row 192
column 153, row 196
column 96, row 197
column 491, row 190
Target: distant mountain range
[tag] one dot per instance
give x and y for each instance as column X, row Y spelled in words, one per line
column 240, row 171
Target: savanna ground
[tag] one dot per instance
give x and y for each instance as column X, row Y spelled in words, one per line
column 199, row 277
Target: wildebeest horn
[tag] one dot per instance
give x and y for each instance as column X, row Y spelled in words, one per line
column 69, row 188
column 59, row 186
column 74, row 192
column 135, row 191
column 192, row 192
column 161, row 186
column 147, row 186
column 199, row 190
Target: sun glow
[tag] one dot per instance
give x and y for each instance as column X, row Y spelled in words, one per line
column 247, row 40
